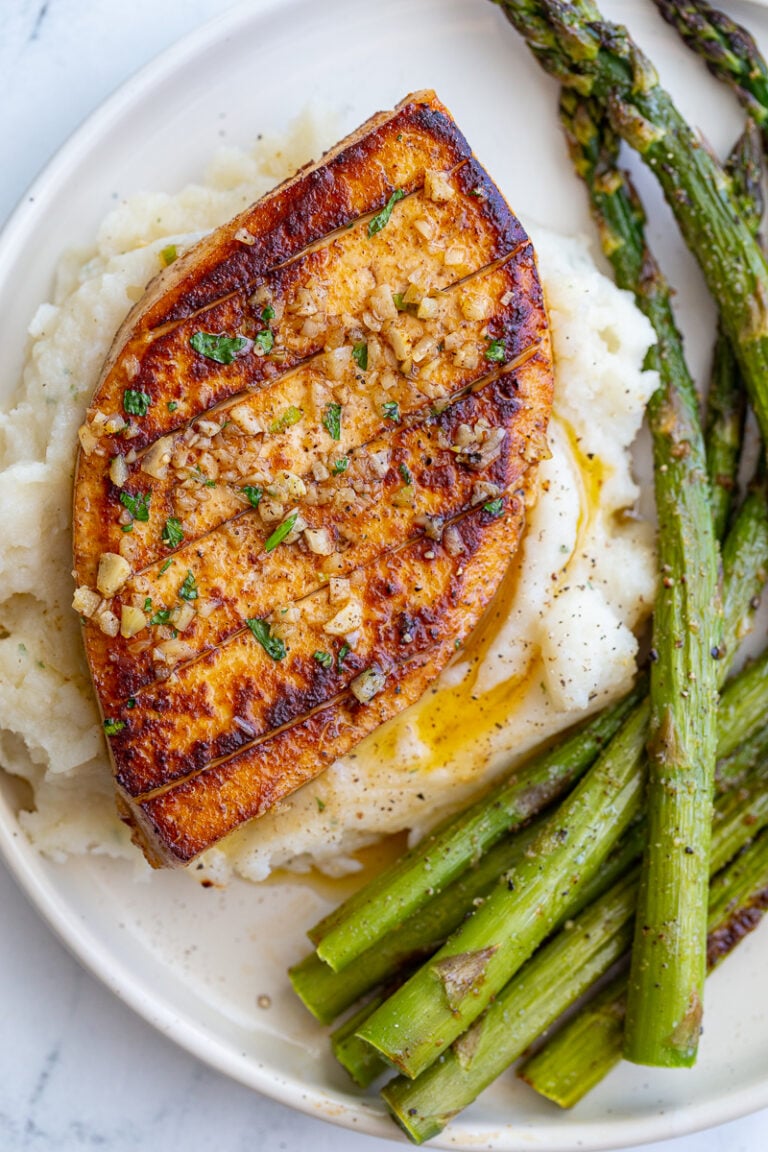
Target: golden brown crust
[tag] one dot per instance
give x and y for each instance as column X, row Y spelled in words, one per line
column 188, row 817
column 383, row 409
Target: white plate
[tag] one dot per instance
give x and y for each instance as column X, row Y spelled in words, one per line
column 196, row 962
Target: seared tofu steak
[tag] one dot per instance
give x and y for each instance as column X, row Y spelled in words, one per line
column 304, row 473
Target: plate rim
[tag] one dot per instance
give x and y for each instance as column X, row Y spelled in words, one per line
column 30, row 870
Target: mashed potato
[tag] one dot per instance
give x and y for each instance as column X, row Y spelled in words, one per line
column 559, row 638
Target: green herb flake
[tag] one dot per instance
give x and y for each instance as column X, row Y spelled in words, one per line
column 267, row 314
column 137, row 505
column 398, row 299
column 188, row 590
column 494, row 507
column 131, row 702
column 320, row 804
column 272, row 645
column 265, row 341
column 162, row 616
column 173, row 533
column 405, row 473
column 112, row 727
column 136, row 403
column 253, row 494
column 166, row 566
column 171, row 405
column 360, row 355
column 148, row 604
column 391, row 411
column 344, row 651
column 218, row 346
column 127, row 527
column 291, row 416
column 340, row 466
column 281, row 532
column 168, row 254
column 324, row 659
column 381, row 219
column 332, row 419
column 495, row 352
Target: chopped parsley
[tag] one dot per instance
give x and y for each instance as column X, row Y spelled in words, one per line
column 291, row 416
column 171, row 405
column 272, row 645
column 405, row 472
column 323, row 658
column 391, row 411
column 136, row 403
column 381, row 219
column 148, row 604
column 265, row 340
column 112, row 727
column 253, row 494
column 267, row 314
column 166, row 566
column 168, row 254
column 281, row 532
column 173, row 533
column 320, row 804
column 188, row 590
column 495, row 351
column 494, row 507
column 218, row 346
column 360, row 355
column 131, row 702
column 344, row 651
column 332, row 419
column 137, row 505
column 127, row 527
column 340, row 466
column 162, row 616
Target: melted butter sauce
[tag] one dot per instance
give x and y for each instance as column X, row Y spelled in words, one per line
column 454, row 722
column 372, row 860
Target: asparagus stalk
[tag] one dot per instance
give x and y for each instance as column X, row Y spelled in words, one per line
column 745, row 567
column 724, row 430
column 728, row 50
column 551, row 981
column 358, row 1059
column 726, row 397
column 668, row 962
column 732, row 769
column 669, row 957
column 596, row 58
column 362, row 1063
column 327, row 993
column 370, row 914
column 583, row 1052
column 564, row 969
column 439, row 1002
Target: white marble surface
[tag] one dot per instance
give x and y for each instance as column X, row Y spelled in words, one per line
column 77, row 1068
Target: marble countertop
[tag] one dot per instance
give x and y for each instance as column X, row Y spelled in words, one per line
column 77, row 1068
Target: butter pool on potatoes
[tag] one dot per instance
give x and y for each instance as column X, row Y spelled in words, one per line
column 557, row 640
